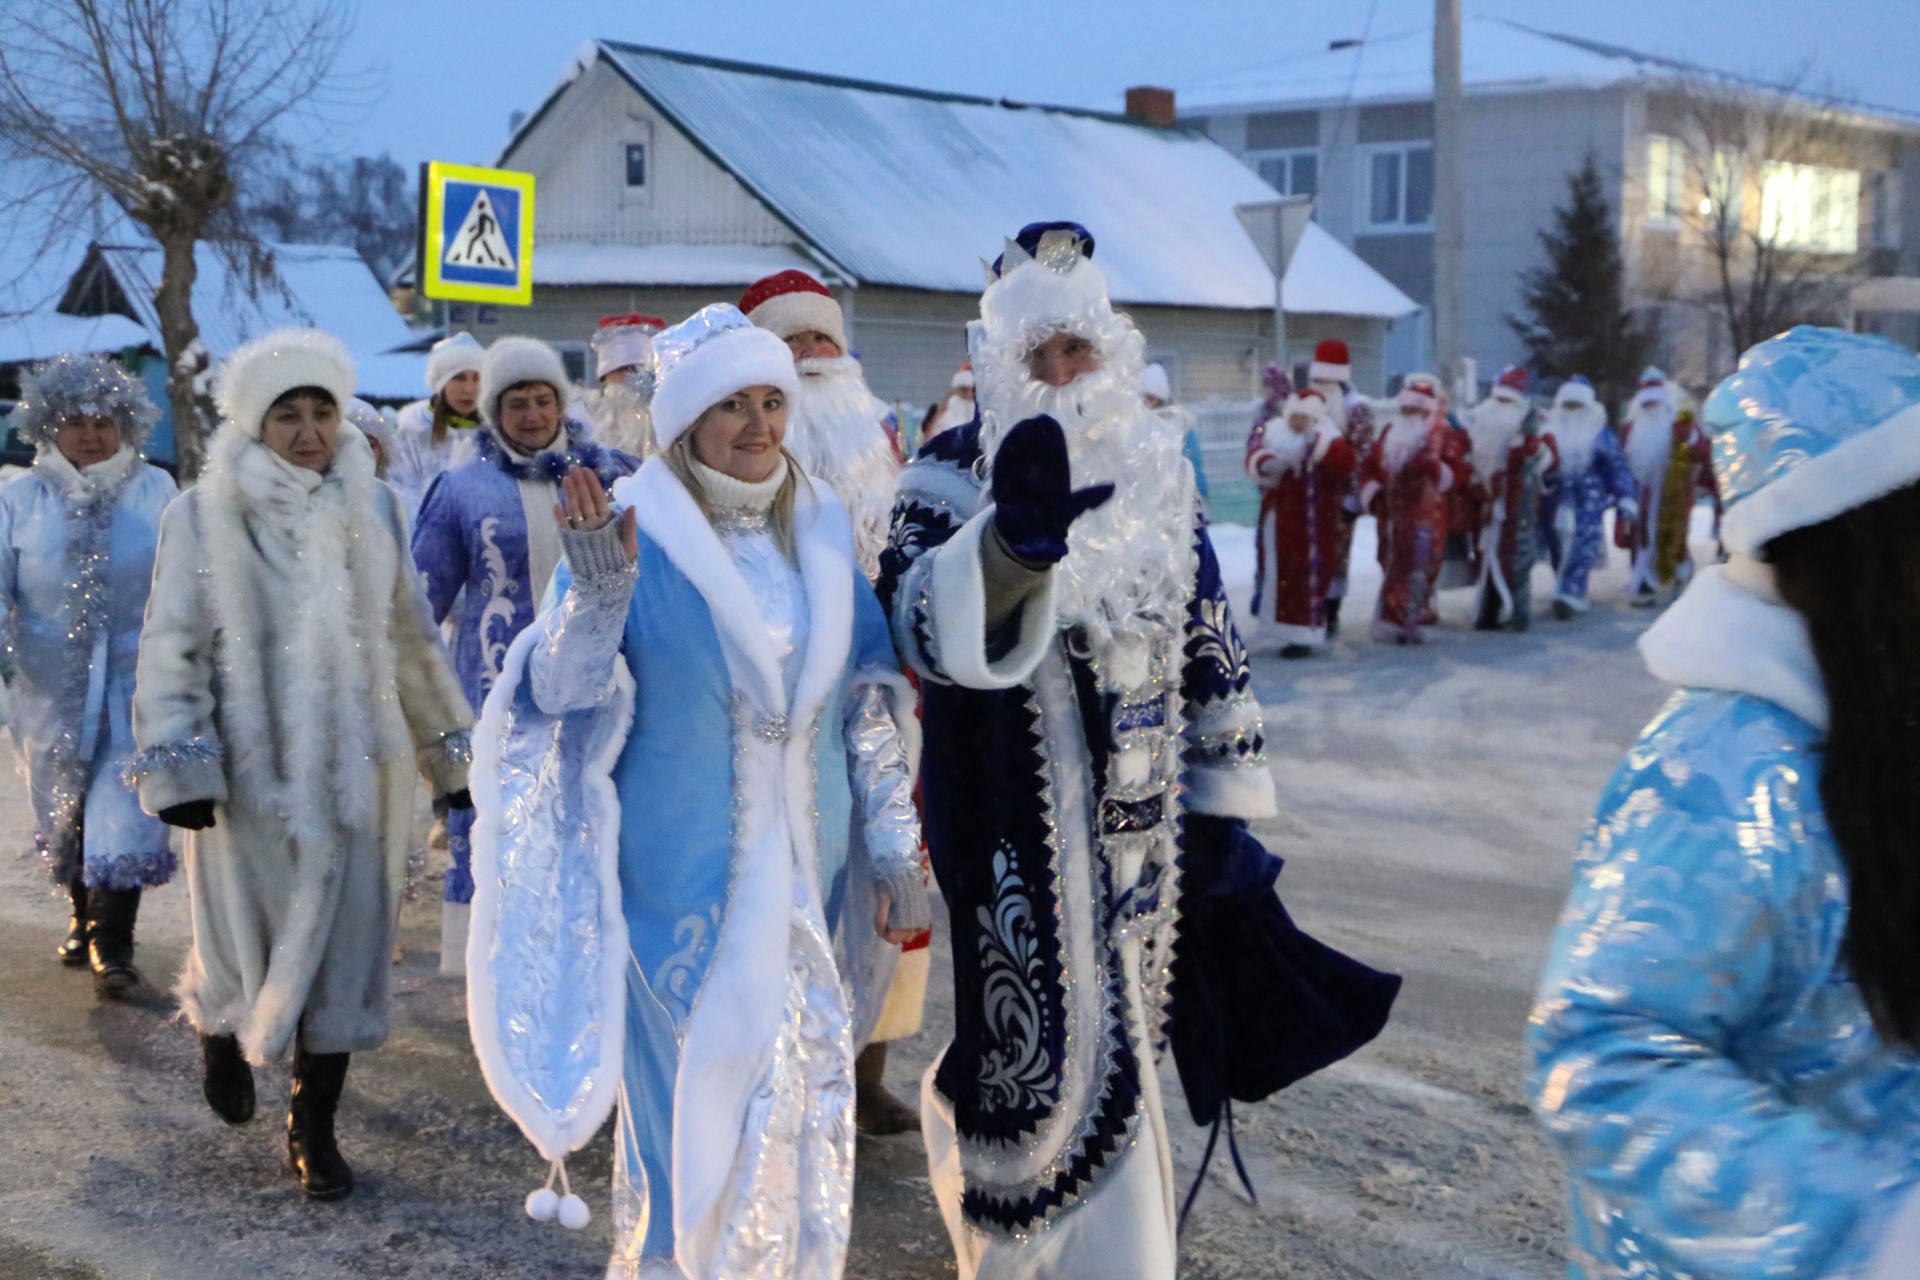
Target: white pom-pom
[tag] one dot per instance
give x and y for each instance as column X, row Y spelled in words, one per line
column 543, row 1204
column 573, row 1213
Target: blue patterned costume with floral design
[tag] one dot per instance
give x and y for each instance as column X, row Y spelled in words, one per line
column 1088, row 831
column 1573, row 514
column 470, row 545
column 1702, row 1060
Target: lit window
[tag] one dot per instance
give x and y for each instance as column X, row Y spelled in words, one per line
column 1666, row 180
column 1399, row 194
column 636, row 164
column 1810, row 207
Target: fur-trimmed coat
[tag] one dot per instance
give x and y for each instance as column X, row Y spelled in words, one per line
column 76, row 561
column 289, row 673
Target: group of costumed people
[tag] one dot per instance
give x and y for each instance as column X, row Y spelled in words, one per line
column 1471, row 500
column 740, row 675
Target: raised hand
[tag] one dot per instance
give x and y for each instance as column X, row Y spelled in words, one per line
column 1034, row 498
column 584, row 508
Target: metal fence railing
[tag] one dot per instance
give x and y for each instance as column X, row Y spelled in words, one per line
column 1222, row 426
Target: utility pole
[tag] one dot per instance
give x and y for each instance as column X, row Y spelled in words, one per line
column 1449, row 199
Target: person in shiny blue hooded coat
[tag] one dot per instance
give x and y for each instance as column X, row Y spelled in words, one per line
column 1724, row 1044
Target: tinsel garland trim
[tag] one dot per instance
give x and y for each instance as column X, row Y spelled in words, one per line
column 172, row 755
column 131, row 870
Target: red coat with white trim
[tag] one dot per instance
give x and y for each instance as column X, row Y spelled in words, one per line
column 1300, row 539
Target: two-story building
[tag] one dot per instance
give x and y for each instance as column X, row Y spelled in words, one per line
column 668, row 181
column 1352, row 125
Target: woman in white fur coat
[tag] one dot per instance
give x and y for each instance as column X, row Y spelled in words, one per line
column 288, row 677
column 77, row 535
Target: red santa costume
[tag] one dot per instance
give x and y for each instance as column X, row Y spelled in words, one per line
column 1492, row 427
column 620, row 409
column 1672, row 465
column 838, row 434
column 1304, row 467
column 1411, row 469
column 1331, row 374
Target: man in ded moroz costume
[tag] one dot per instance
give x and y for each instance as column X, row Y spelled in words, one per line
column 1093, row 754
column 1593, row 477
column 1513, row 464
column 1405, row 482
column 621, row 407
column 1331, row 374
column 1672, row 466
column 1304, row 468
column 666, row 776
column 838, row 435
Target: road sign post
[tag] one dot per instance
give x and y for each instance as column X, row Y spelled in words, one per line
column 476, row 234
column 1275, row 227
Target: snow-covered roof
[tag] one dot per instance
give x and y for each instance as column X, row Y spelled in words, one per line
column 321, row 286
column 1325, row 277
column 1496, row 56
column 902, row 187
column 41, row 335
column 663, row 264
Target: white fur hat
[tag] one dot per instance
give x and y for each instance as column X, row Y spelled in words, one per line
column 706, row 358
column 268, row 367
column 512, row 361
column 1419, row 391
column 1576, row 390
column 1154, row 382
column 450, row 357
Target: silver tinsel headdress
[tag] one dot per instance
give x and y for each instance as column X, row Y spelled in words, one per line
column 74, row 386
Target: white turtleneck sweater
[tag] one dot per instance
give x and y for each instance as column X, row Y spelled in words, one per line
column 742, row 516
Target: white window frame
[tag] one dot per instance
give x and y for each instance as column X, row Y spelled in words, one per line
column 1883, row 209
column 1289, row 154
column 1810, row 208
column 1727, row 178
column 637, row 133
column 1399, row 227
column 1666, row 216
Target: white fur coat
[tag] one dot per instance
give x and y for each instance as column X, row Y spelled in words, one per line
column 288, row 671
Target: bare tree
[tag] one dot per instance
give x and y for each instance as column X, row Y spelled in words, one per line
column 1770, row 187
column 166, row 107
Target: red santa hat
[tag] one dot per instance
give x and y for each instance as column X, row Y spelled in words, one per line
column 1514, row 380
column 624, row 342
column 1331, row 362
column 1420, row 391
column 1307, row 400
column 791, row 301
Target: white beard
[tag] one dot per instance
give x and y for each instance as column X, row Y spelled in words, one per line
column 1493, row 425
column 1650, row 444
column 1129, row 565
column 1403, row 441
column 1576, row 434
column 837, row 436
column 1289, row 447
column 622, row 419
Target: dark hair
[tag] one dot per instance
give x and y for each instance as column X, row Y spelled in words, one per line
column 1852, row 578
column 321, row 394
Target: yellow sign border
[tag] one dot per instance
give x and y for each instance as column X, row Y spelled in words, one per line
column 439, row 173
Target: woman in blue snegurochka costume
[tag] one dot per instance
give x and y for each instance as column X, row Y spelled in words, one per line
column 486, row 547
column 77, row 534
column 665, row 778
column 1725, row 1041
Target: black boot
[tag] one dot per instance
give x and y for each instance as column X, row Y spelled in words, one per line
column 73, row 952
column 875, row 1110
column 315, row 1156
column 110, row 917
column 226, row 1079
column 1333, row 617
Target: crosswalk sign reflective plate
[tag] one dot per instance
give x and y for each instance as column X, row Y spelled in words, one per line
column 478, row 233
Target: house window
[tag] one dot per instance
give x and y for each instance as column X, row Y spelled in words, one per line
column 573, row 355
column 1886, row 210
column 1291, row 173
column 636, row 165
column 1810, row 207
column 1399, row 187
column 1725, row 188
column 1666, row 180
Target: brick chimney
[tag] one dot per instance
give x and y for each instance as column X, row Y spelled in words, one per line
column 1151, row 105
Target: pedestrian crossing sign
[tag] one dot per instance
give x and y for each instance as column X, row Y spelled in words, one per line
column 477, row 234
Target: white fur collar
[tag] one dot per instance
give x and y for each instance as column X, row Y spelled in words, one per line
column 1731, row 631
column 668, row 515
column 103, row 477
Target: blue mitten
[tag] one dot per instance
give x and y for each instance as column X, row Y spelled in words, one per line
column 1035, row 502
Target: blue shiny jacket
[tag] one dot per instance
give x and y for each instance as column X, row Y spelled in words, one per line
column 1701, row 1058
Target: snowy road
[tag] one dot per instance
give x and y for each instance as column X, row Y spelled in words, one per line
column 1430, row 798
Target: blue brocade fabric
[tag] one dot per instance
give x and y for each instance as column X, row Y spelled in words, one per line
column 1701, row 1058
column 1605, row 482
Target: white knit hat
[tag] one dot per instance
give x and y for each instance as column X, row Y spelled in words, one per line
column 450, row 357
column 512, row 361
column 268, row 367
column 707, row 357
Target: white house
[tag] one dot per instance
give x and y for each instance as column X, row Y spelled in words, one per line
column 668, row 181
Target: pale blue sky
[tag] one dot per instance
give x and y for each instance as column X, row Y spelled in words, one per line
column 453, row 70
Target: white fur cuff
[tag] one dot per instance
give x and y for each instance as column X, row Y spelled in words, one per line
column 959, row 609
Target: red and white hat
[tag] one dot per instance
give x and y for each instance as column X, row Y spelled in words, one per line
column 1307, row 400
column 1653, row 385
column 1513, row 380
column 624, row 342
column 792, row 301
column 1419, row 391
column 1331, row 362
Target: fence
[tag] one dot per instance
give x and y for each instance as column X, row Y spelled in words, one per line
column 1222, row 426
